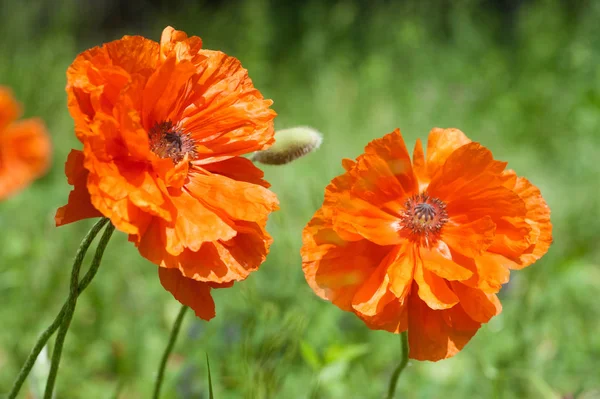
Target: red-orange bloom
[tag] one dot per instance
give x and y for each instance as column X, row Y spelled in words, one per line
column 424, row 246
column 163, row 126
column 25, row 147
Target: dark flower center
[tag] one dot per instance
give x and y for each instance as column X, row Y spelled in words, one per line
column 424, row 217
column 169, row 141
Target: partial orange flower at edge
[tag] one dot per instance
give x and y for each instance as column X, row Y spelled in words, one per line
column 163, row 126
column 424, row 246
column 25, row 148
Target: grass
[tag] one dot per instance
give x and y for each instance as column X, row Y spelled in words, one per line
column 528, row 90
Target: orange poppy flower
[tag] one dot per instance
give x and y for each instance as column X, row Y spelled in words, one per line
column 163, row 127
column 424, row 246
column 25, row 147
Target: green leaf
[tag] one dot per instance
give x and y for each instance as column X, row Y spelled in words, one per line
column 310, row 355
column 210, row 388
column 345, row 353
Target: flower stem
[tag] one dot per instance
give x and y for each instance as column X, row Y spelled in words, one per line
column 45, row 336
column 70, row 308
column 168, row 349
column 401, row 366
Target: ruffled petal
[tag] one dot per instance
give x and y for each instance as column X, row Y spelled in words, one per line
column 348, row 164
column 231, row 260
column 239, row 200
column 192, row 293
column 478, row 305
column 128, row 193
column 360, row 217
column 375, row 182
column 334, row 268
column 383, row 175
column 134, row 54
column 217, row 261
column 469, row 238
column 440, row 145
column 238, row 168
column 175, row 43
column 490, row 271
column 439, row 261
column 433, row 290
column 392, row 317
column 513, row 237
column 392, row 276
column 227, row 116
column 468, row 170
column 373, row 295
column 195, row 224
column 538, row 217
column 168, row 92
column 79, row 205
column 401, row 270
column 437, row 334
column 97, row 76
column 419, row 166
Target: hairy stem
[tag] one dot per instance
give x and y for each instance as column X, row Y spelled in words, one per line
column 168, row 349
column 400, row 368
column 45, row 336
column 70, row 309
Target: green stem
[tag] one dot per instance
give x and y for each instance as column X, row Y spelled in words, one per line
column 45, row 336
column 168, row 349
column 401, row 366
column 71, row 302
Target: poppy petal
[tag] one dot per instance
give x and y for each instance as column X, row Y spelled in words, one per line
column 392, row 150
column 401, row 270
column 392, row 317
column 238, row 199
column 167, row 92
column 195, row 224
column 470, row 238
column 238, row 168
column 437, row 334
column 215, row 261
column 177, row 43
column 433, row 290
column 227, row 116
column 439, row 261
column 440, row 145
column 333, row 268
column 375, row 294
column 130, row 184
column 192, row 293
column 419, row 166
column 360, row 217
column 79, row 205
column 538, row 217
column 480, row 306
column 375, row 182
column 490, row 271
column 513, row 237
column 470, row 162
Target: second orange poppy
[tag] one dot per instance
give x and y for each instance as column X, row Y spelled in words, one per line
column 426, row 245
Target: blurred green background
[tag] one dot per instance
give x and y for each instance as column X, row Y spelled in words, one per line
column 523, row 78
